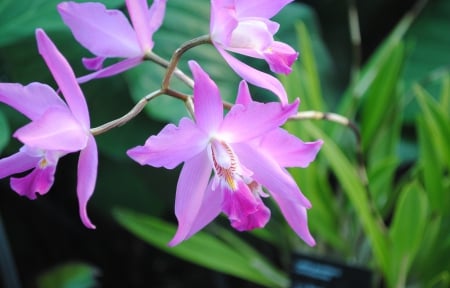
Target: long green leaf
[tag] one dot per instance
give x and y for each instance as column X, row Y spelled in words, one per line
column 202, row 249
column 406, row 232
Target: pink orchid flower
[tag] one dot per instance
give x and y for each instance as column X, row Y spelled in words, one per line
column 243, row 26
column 108, row 34
column 56, row 129
column 236, row 148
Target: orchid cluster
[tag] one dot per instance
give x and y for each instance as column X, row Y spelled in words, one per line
column 231, row 161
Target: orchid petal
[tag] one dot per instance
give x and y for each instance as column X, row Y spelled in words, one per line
column 295, row 215
column 210, row 208
column 280, row 57
column 162, row 151
column 260, row 8
column 255, row 76
column 247, row 122
column 104, row 32
column 288, row 150
column 87, row 176
column 94, row 64
column 57, row 129
column 138, row 10
column 156, row 15
column 244, row 210
column 268, row 173
column 64, row 76
column 190, row 193
column 207, row 102
column 111, row 70
column 223, row 22
column 17, row 163
column 243, row 96
column 39, row 181
column 31, row 100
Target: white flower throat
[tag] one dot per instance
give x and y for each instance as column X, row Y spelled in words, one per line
column 225, row 164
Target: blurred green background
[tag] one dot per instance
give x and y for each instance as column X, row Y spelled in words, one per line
column 387, row 211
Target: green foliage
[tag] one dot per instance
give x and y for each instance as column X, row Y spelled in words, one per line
column 4, row 132
column 69, row 275
column 231, row 256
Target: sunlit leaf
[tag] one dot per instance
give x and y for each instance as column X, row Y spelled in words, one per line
column 69, row 275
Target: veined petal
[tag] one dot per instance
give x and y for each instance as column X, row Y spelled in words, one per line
column 269, row 174
column 280, row 57
column 17, row 163
column 260, row 8
column 103, row 32
column 207, row 101
column 64, row 76
column 171, row 146
column 87, row 176
column 57, row 129
column 210, row 208
column 295, row 215
column 39, row 181
column 243, row 123
column 190, row 194
column 255, row 76
column 288, row 150
column 111, row 70
column 31, row 100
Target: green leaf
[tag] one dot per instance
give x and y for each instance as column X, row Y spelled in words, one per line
column 377, row 98
column 202, row 249
column 406, row 233
column 19, row 19
column 4, row 132
column 69, row 275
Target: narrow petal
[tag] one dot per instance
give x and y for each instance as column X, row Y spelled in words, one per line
column 104, row 32
column 269, row 174
column 260, row 8
column 243, row 97
column 156, row 15
column 87, row 176
column 112, row 70
column 243, row 123
column 171, row 146
column 280, row 57
column 17, row 163
column 31, row 100
column 209, row 210
column 57, row 129
column 39, row 181
column 138, row 10
column 288, row 150
column 207, row 101
column 190, row 193
column 255, row 76
column 64, row 76
column 295, row 215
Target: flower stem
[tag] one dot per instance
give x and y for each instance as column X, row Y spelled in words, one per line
column 165, row 64
column 176, row 56
column 127, row 117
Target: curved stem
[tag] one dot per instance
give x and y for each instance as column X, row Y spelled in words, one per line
column 172, row 66
column 339, row 119
column 165, row 63
column 127, row 117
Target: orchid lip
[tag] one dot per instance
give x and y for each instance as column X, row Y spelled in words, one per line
column 224, row 162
